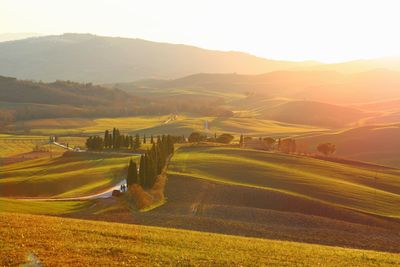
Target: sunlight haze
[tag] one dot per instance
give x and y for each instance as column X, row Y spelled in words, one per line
column 327, row 31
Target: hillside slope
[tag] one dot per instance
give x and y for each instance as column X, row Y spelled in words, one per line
column 378, row 143
column 326, row 182
column 112, row 244
column 70, row 175
column 327, row 86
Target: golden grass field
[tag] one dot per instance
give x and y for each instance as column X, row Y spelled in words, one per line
column 70, row 175
column 374, row 190
column 51, row 241
column 184, row 124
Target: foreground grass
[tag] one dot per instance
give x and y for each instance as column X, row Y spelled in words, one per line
column 71, row 175
column 68, row 242
column 371, row 190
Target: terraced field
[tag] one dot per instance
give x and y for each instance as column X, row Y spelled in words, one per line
column 374, row 190
column 70, row 175
column 60, row 241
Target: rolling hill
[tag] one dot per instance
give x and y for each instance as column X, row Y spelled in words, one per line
column 71, row 175
column 59, row 93
column 275, row 196
column 91, row 58
column 302, row 112
column 378, row 143
column 327, row 86
column 325, row 182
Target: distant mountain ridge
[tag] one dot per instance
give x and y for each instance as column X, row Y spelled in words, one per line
column 12, row 36
column 327, row 86
column 91, row 58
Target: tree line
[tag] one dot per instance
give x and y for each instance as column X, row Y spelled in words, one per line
column 151, row 163
column 115, row 140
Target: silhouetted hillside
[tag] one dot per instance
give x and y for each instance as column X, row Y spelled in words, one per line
column 90, row 58
column 326, row 86
column 59, row 92
column 23, row 100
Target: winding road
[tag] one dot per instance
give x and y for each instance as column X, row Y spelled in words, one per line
column 105, row 194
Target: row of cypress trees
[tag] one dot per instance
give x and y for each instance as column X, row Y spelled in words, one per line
column 151, row 163
column 115, row 140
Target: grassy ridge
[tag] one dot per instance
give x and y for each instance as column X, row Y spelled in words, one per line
column 72, row 175
column 338, row 184
column 58, row 241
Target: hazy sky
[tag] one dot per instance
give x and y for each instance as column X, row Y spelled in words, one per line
column 328, row 31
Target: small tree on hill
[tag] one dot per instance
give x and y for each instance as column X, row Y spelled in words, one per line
column 241, row 141
column 225, row 138
column 326, row 148
column 269, row 141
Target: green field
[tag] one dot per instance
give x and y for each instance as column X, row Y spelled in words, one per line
column 59, row 241
column 183, row 124
column 14, row 145
column 11, row 145
column 74, row 126
column 373, row 190
column 70, row 175
column 42, row 207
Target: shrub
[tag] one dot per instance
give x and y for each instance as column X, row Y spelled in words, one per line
column 326, row 148
column 197, row 137
column 225, row 138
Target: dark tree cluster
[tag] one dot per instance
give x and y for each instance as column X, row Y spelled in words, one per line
column 224, row 138
column 151, row 163
column 116, row 140
column 113, row 140
column 197, row 137
column 95, row 143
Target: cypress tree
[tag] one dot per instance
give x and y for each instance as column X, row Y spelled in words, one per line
column 131, row 143
column 142, row 171
column 132, row 177
column 144, row 139
column 106, row 139
column 137, row 142
column 114, row 137
column 152, row 139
